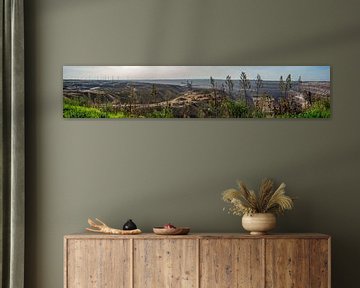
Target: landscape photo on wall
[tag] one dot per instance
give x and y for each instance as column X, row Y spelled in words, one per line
column 196, row 92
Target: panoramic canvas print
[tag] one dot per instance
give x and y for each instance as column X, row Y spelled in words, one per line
column 196, row 92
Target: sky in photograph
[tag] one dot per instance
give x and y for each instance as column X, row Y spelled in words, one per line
column 307, row 73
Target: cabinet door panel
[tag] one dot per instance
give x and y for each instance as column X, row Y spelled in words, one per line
column 165, row 263
column 319, row 263
column 287, row 263
column 230, row 263
column 98, row 264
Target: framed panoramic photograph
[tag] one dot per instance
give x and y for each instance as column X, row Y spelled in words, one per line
column 196, row 92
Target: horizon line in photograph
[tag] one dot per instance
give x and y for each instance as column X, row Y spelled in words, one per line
column 131, row 73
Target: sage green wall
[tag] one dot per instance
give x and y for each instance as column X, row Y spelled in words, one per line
column 174, row 170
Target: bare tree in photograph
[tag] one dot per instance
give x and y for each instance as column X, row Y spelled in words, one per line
column 154, row 93
column 259, row 84
column 281, row 85
column 132, row 98
column 223, row 88
column 230, row 86
column 214, row 88
column 288, row 85
column 245, row 85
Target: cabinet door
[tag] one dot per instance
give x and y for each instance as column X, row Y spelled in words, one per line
column 165, row 263
column 320, row 263
column 287, row 263
column 231, row 263
column 98, row 263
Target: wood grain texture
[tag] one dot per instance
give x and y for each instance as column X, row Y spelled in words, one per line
column 98, row 264
column 287, row 263
column 165, row 263
column 319, row 263
column 231, row 263
column 197, row 260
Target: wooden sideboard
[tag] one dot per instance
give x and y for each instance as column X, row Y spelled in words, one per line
column 197, row 260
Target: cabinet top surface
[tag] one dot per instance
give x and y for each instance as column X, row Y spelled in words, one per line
column 87, row 235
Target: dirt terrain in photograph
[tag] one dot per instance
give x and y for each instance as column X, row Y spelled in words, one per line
column 185, row 100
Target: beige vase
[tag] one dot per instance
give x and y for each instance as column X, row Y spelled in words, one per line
column 259, row 223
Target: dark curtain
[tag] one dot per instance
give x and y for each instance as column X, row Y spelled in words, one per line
column 12, row 192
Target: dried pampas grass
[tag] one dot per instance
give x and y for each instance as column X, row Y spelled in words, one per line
column 245, row 201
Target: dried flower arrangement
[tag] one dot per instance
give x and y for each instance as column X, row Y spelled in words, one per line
column 246, row 202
